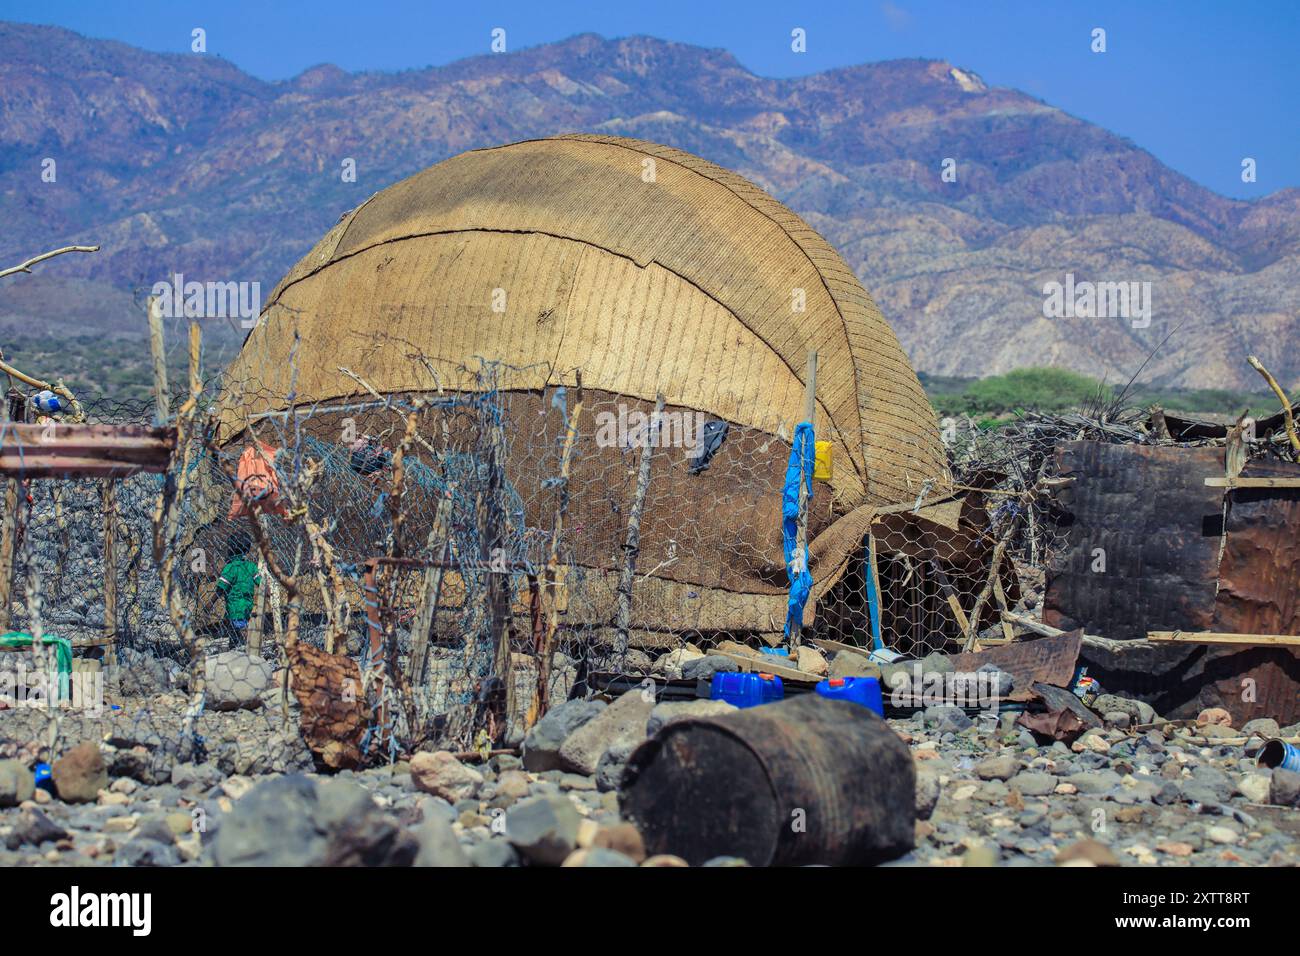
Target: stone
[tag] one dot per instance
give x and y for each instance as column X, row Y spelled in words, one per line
column 541, row 748
column 236, row 681
column 703, row 668
column 1214, row 716
column 1222, row 834
column 927, row 794
column 598, row 857
column 34, row 828
column 811, row 661
column 947, row 718
column 1284, row 789
column 849, row 664
column 1255, row 787
column 622, row 722
column 1215, row 782
column 670, row 665
column 195, row 777
column 438, row 845
column 144, row 851
column 80, row 774
column 665, row 859
column 981, row 855
column 1265, row 727
column 672, row 711
column 997, row 682
column 1139, row 712
column 936, row 663
column 997, row 768
column 493, row 853
column 295, row 821
column 727, row 861
column 543, row 829
column 1033, row 784
column 1094, row 781
column 17, row 783
column 1088, row 852
column 442, row 775
column 511, row 787
column 623, row 838
column 609, row 771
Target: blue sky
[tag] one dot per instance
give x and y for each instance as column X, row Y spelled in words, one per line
column 1201, row 85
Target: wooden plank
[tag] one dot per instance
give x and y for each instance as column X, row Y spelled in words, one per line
column 1252, row 482
column 1218, row 637
column 752, row 665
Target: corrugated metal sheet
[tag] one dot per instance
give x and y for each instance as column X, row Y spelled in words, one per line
column 1145, row 512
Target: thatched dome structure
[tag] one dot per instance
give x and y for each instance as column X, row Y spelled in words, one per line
column 652, row 271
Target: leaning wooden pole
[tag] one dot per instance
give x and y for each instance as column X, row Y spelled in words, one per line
column 158, row 351
column 550, row 584
column 632, row 545
column 8, row 539
column 108, row 498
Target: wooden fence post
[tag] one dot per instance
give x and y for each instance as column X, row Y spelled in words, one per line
column 632, row 547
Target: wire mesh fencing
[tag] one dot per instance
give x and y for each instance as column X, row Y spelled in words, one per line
column 360, row 575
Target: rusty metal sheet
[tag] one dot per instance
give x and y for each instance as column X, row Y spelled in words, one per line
column 1181, row 680
column 1145, row 512
column 328, row 689
column 1259, row 576
column 84, row 451
column 1047, row 660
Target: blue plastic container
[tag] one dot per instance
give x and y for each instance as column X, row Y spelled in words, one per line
column 747, row 690
column 44, row 780
column 858, row 690
column 775, row 651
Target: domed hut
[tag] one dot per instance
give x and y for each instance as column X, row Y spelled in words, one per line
column 646, row 271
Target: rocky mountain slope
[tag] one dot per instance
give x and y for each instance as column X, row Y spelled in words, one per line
column 183, row 163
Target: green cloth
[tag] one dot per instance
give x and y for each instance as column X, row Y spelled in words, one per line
column 239, row 580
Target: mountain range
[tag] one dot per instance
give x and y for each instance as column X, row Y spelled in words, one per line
column 184, row 163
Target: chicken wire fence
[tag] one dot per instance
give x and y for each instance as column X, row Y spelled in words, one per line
column 475, row 550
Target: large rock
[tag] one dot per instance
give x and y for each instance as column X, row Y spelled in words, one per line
column 670, row 665
column 80, row 774
column 442, row 775
column 438, row 844
column 294, row 821
column 17, row 783
column 669, row 712
column 848, row 664
column 236, row 681
column 544, row 829
column 622, row 722
column 1285, row 788
column 811, row 661
column 610, row 769
column 703, row 668
column 541, row 750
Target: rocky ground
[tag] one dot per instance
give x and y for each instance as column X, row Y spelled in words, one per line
column 1134, row 791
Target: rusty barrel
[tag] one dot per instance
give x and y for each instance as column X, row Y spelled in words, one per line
column 804, row 781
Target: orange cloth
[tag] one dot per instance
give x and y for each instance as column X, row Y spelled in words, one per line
column 257, row 481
